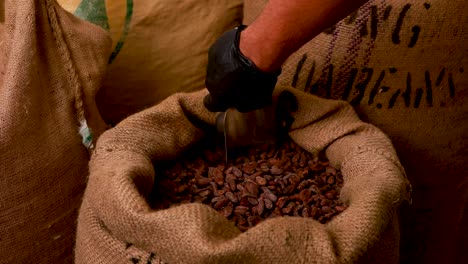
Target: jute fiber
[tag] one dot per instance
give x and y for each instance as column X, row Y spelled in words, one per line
column 159, row 47
column 51, row 67
column 402, row 64
column 116, row 224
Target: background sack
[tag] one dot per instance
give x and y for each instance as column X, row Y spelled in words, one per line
column 116, row 225
column 160, row 47
column 51, row 66
column 402, row 64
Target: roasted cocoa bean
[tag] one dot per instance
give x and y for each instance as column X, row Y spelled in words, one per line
column 216, row 174
column 269, row 195
column 244, row 201
column 227, row 211
column 289, row 208
column 222, row 201
column 298, row 210
column 203, row 181
column 251, row 187
column 252, row 201
column 268, row 203
column 260, row 181
column 240, row 210
column 260, row 206
column 265, row 182
column 340, row 208
column 237, row 172
column 204, row 193
column 282, row 201
column 250, row 167
column 275, row 170
column 233, row 198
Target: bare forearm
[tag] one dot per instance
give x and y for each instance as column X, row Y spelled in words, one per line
column 286, row 25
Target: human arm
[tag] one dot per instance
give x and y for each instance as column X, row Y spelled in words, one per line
column 244, row 63
column 285, row 26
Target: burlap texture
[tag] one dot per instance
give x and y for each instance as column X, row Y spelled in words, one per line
column 116, row 225
column 159, row 47
column 51, row 67
column 402, row 64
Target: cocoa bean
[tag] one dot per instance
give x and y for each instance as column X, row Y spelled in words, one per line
column 236, row 172
column 296, row 157
column 204, row 193
column 294, row 178
column 303, row 160
column 340, row 208
column 269, row 195
column 242, row 221
column 231, row 180
column 282, row 201
column 252, row 201
column 251, row 187
column 288, row 190
column 304, row 195
column 324, row 202
column 222, row 201
column 260, row 181
column 244, row 201
column 275, row 170
column 203, row 181
column 240, row 210
column 241, row 187
column 227, row 211
column 253, row 220
column 304, row 184
column 268, row 177
column 268, row 203
column 216, row 174
column 267, row 182
column 331, row 194
column 298, row 210
column 231, row 197
column 260, row 206
column 250, row 167
column 289, row 208
column 313, row 211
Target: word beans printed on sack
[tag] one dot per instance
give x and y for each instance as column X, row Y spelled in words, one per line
column 412, row 95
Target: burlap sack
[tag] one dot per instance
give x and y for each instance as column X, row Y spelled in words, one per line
column 51, row 66
column 116, row 225
column 160, row 47
column 402, row 65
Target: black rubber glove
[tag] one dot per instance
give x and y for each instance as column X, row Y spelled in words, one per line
column 233, row 80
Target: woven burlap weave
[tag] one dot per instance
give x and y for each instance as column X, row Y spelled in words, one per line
column 402, row 64
column 51, row 65
column 116, row 225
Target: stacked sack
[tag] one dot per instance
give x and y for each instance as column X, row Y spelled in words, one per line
column 402, row 64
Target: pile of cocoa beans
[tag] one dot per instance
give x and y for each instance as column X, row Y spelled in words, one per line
column 263, row 182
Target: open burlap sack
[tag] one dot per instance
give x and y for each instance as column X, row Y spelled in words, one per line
column 116, row 225
column 402, row 64
column 159, row 47
column 51, row 67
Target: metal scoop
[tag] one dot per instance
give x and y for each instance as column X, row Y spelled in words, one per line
column 269, row 125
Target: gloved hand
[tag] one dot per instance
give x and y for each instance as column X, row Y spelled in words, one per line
column 233, row 80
